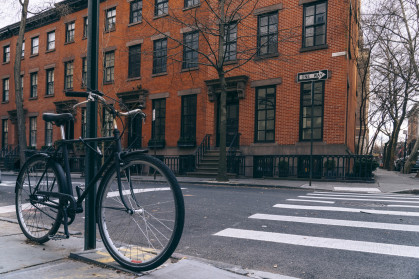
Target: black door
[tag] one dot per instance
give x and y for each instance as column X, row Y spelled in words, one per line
column 232, row 125
column 134, row 132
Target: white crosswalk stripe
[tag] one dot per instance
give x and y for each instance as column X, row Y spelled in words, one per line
column 343, row 204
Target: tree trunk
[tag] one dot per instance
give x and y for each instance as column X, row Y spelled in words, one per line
column 21, row 129
column 222, row 165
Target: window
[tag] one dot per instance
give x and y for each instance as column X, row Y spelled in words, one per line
column 107, row 124
column 188, row 120
column 314, row 30
column 51, row 40
column 84, row 72
column 305, row 115
column 21, row 84
column 6, row 54
column 134, row 61
column 32, row 131
column 50, row 82
column 69, row 33
column 265, row 114
column 109, row 66
column 68, row 74
column 83, row 122
column 4, row 133
column 110, row 19
column 23, row 49
column 161, row 7
column 230, row 42
column 48, row 134
column 5, row 97
column 159, row 56
column 34, row 85
column 267, row 34
column 85, row 26
column 159, row 123
column 190, row 50
column 35, row 46
column 136, row 11
column 191, row 3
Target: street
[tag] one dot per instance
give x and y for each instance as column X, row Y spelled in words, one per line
column 303, row 234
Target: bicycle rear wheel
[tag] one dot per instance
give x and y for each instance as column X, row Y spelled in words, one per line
column 37, row 219
column 144, row 236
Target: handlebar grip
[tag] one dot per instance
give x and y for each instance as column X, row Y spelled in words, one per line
column 76, row 94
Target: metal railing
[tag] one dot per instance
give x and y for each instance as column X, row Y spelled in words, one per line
column 333, row 167
column 202, row 148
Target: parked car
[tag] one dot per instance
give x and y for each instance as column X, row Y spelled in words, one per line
column 398, row 164
column 415, row 167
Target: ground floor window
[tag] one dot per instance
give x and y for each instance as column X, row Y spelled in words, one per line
column 4, row 133
column 188, row 121
column 306, row 118
column 265, row 114
column 32, row 131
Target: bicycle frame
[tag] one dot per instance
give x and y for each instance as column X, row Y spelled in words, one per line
column 115, row 159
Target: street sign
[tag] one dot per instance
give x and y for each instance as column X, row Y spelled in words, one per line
column 313, row 76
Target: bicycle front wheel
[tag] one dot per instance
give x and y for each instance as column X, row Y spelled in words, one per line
column 37, row 214
column 140, row 221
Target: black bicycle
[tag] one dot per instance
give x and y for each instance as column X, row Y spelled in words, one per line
column 139, row 205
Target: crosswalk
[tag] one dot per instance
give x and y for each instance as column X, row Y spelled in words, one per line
column 389, row 213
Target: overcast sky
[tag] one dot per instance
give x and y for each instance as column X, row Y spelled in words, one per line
column 10, row 10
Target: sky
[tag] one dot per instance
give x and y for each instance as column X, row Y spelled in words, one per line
column 11, row 14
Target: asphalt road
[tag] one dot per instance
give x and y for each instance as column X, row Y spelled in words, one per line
column 317, row 235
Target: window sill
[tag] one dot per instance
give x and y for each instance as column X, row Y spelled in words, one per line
column 49, row 96
column 33, row 55
column 50, row 50
column 312, row 48
column 108, row 82
column 186, row 143
column 160, row 16
column 84, row 38
column 5, row 102
column 109, row 31
column 133, row 78
column 33, row 98
column 192, row 7
column 70, row 42
column 155, row 144
column 189, row 69
column 8, row 62
column 230, row 62
column 159, row 74
column 135, row 23
column 266, row 56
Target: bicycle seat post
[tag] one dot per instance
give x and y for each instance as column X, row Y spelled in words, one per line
column 62, row 132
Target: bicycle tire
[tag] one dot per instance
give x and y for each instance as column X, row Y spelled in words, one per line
column 145, row 238
column 38, row 221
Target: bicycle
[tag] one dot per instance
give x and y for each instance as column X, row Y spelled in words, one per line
column 139, row 204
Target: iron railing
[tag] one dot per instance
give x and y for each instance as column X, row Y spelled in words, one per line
column 333, row 167
column 202, row 148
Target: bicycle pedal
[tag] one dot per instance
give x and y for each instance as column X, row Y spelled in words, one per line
column 58, row 237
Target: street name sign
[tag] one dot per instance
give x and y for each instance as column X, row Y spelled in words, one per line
column 313, row 76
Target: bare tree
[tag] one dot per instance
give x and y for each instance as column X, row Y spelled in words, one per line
column 218, row 24
column 394, row 67
column 18, row 84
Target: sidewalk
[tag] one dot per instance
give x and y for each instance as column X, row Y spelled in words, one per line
column 66, row 258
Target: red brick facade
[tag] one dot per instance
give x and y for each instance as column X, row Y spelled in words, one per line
column 338, row 133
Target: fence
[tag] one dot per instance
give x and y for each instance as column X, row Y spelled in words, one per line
column 333, row 167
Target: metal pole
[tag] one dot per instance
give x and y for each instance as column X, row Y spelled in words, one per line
column 91, row 127
column 311, row 134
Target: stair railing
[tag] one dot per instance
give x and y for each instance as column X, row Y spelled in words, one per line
column 202, row 148
column 231, row 154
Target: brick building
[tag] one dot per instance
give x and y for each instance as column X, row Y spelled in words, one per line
column 144, row 61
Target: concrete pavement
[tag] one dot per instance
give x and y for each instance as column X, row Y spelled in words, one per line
column 66, row 258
